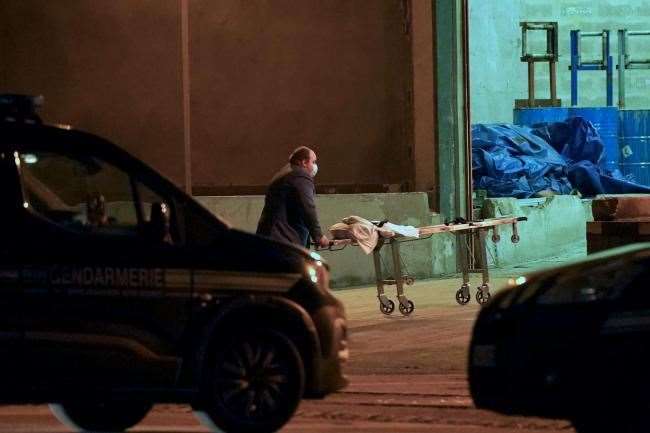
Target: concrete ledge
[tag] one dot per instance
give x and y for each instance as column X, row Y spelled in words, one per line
column 423, row 258
column 556, row 227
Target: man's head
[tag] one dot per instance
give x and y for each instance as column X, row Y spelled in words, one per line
column 306, row 158
column 96, row 210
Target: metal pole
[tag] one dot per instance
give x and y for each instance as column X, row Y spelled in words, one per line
column 621, row 67
column 524, row 40
column 485, row 272
column 575, row 64
column 552, row 73
column 463, row 251
column 551, row 52
column 379, row 277
column 397, row 271
column 610, row 81
column 185, row 78
column 531, row 83
column 469, row 186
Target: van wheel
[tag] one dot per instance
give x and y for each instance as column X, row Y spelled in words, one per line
column 256, row 382
column 100, row 417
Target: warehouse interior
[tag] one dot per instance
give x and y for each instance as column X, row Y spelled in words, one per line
column 540, row 62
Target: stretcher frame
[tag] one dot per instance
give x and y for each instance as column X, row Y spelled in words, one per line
column 465, row 234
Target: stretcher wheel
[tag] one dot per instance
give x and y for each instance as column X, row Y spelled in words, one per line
column 387, row 309
column 483, row 294
column 514, row 239
column 409, row 280
column 406, row 309
column 482, row 298
column 462, row 295
column 496, row 238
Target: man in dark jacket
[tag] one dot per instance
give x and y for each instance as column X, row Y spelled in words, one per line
column 289, row 207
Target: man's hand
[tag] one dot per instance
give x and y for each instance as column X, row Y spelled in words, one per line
column 323, row 242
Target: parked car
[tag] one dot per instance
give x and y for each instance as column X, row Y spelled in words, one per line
column 119, row 291
column 571, row 343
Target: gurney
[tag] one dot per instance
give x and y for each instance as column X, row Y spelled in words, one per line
column 471, row 237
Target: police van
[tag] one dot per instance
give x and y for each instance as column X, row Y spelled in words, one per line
column 118, row 291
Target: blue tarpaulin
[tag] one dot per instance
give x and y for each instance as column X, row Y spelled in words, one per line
column 555, row 157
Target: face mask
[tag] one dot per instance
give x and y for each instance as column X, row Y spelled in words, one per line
column 314, row 170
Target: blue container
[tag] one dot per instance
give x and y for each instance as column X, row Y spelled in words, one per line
column 635, row 145
column 531, row 116
column 606, row 122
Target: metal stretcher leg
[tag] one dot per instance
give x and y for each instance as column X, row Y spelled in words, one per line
column 496, row 237
column 406, row 306
column 515, row 234
column 386, row 306
column 462, row 295
column 483, row 291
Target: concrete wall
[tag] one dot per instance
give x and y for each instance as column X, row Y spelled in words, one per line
column 498, row 77
column 265, row 77
column 270, row 75
column 423, row 258
column 556, row 227
column 112, row 70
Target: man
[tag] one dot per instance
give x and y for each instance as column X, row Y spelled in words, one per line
column 289, row 213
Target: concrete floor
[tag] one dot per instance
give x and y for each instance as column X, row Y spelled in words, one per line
column 409, row 373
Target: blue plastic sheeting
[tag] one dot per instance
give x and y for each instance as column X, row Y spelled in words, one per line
column 555, row 157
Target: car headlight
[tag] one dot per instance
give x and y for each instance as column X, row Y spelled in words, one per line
column 318, row 273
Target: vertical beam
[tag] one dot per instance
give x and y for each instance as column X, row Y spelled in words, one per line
column 531, row 83
column 575, row 63
column 424, row 151
column 185, row 78
column 610, row 81
column 467, row 116
column 552, row 71
column 454, row 160
column 609, row 71
column 552, row 38
column 622, row 59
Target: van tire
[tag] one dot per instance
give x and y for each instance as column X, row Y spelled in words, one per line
column 255, row 381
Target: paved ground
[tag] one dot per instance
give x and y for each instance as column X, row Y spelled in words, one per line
column 407, row 375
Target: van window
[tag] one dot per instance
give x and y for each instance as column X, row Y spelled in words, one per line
column 80, row 193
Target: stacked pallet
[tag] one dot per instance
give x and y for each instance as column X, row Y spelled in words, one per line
column 618, row 220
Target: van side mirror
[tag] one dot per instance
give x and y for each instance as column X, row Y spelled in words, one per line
column 159, row 223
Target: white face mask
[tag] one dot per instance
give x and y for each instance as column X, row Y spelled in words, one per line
column 314, row 170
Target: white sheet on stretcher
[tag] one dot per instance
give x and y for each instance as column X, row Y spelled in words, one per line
column 409, row 231
column 366, row 234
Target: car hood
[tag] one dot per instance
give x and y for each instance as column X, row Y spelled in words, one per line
column 542, row 278
column 236, row 250
column 627, row 252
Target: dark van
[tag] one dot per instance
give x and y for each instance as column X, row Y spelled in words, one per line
column 118, row 291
